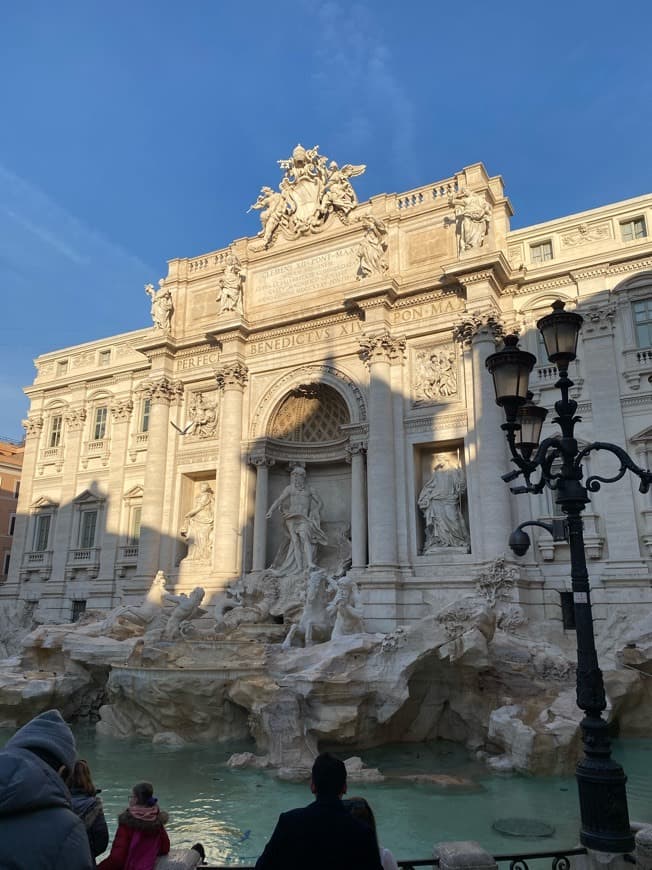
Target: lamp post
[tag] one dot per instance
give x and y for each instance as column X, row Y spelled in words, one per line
column 558, row 463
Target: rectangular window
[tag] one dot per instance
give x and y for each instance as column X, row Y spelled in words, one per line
column 87, row 529
column 5, row 563
column 55, row 431
column 42, row 533
column 632, row 230
column 16, row 488
column 12, row 523
column 99, row 430
column 134, row 526
column 62, row 367
column 643, row 322
column 144, row 417
column 78, row 607
column 104, row 358
column 541, row 252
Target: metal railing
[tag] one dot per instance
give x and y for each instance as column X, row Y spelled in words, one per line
column 559, row 860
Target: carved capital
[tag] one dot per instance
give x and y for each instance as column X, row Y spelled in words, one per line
column 261, row 461
column 231, row 375
column 478, row 323
column 163, row 390
column 381, row 348
column 598, row 320
column 75, row 419
column 32, row 426
column 121, row 410
column 359, row 448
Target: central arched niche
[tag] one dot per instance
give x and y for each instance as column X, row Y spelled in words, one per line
column 308, row 428
column 310, row 414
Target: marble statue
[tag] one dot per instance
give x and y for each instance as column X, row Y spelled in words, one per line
column 300, row 508
column 202, row 417
column 372, row 250
column 140, row 617
column 472, row 217
column 162, row 307
column 198, row 525
column 440, row 501
column 187, row 608
column 230, row 295
column 310, row 191
column 315, row 623
column 436, row 374
column 346, row 606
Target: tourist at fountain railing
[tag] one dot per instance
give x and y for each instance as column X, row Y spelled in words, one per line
column 360, row 809
column 38, row 827
column 323, row 835
column 88, row 806
column 141, row 836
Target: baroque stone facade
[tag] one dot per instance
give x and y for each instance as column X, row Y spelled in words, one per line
column 346, row 340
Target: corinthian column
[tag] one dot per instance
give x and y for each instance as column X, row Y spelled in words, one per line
column 161, row 393
column 489, row 506
column 231, row 378
column 262, row 466
column 379, row 352
column 356, row 454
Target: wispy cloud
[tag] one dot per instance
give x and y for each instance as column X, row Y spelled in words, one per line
column 359, row 78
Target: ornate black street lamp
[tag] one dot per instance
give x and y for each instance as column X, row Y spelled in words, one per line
column 558, row 462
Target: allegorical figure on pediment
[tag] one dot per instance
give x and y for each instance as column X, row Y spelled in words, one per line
column 162, row 307
column 230, row 295
column 311, row 190
column 472, row 218
column 372, row 250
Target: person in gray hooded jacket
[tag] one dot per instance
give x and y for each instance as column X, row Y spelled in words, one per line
column 38, row 828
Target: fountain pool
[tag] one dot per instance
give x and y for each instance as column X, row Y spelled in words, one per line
column 233, row 812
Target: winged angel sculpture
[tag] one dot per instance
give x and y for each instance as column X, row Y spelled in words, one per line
column 311, row 189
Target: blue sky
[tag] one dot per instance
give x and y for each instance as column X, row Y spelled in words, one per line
column 135, row 132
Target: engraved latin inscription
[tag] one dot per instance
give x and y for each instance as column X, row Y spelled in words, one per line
column 304, row 276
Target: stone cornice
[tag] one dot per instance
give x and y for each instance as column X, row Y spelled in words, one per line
column 458, row 420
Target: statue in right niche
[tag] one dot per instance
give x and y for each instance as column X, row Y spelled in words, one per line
column 440, row 501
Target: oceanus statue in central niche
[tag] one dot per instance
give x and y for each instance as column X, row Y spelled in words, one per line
column 300, row 508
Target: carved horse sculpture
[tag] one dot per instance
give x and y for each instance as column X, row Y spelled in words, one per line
column 315, row 624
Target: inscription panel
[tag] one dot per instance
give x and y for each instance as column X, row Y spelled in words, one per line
column 303, row 277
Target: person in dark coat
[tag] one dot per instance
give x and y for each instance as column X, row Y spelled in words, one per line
column 323, row 835
column 88, row 806
column 37, row 825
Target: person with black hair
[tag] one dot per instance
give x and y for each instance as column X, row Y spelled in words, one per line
column 38, row 827
column 360, row 809
column 323, row 835
column 141, row 836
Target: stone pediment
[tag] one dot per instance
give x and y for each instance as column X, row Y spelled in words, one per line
column 136, row 492
column 88, row 497
column 643, row 437
column 43, row 503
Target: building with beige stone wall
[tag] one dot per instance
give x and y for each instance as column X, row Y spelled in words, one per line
column 11, row 461
column 348, row 339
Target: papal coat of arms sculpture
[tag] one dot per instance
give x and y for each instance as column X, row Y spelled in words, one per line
column 311, row 190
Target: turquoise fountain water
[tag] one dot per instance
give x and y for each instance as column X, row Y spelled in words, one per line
column 234, row 812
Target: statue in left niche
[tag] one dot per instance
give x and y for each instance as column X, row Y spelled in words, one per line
column 198, row 525
column 230, row 295
column 162, row 307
